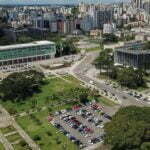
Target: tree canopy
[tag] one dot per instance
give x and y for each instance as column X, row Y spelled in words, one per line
column 104, row 60
column 130, row 77
column 66, row 47
column 147, row 46
column 20, row 85
column 110, row 38
column 75, row 11
column 129, row 129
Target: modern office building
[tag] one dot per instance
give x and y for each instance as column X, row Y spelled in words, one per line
column 109, row 28
column 102, row 17
column 132, row 56
column 15, row 57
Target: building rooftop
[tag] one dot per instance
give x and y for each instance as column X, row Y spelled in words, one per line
column 133, row 48
column 139, row 51
column 32, row 44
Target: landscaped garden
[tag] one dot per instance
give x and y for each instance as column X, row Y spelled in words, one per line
column 43, row 133
column 7, row 129
column 55, row 91
column 14, row 138
column 44, row 98
column 53, row 95
column 1, row 147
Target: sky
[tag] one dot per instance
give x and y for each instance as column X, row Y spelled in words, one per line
column 54, row 1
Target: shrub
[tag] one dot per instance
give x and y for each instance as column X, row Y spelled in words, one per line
column 23, row 143
column 49, row 133
column 36, row 138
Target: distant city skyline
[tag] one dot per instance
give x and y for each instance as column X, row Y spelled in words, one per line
column 56, row 1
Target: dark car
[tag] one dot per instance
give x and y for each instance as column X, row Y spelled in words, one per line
column 107, row 116
column 95, row 140
column 75, row 126
column 78, row 142
column 57, row 125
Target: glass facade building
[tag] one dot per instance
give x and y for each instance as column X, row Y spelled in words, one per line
column 23, row 54
column 132, row 56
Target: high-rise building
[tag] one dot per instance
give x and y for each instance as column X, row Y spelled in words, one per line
column 102, row 17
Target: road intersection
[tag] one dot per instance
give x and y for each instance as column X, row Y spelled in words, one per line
column 79, row 70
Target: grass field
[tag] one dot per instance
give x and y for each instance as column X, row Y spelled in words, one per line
column 51, row 87
column 1, row 147
column 20, row 147
column 92, row 49
column 106, row 101
column 7, row 129
column 72, row 79
column 14, row 138
column 44, row 98
column 50, row 138
column 37, row 125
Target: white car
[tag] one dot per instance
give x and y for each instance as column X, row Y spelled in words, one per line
column 101, row 126
column 91, row 82
column 63, row 111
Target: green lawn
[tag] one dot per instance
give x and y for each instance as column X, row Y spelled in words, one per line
column 51, row 138
column 141, row 89
column 106, row 101
column 72, row 79
column 53, row 86
column 1, row 147
column 92, row 49
column 14, row 137
column 20, row 147
column 7, row 129
column 37, row 124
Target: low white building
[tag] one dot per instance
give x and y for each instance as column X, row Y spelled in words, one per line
column 140, row 37
column 109, row 28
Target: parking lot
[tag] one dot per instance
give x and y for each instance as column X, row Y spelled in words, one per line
column 83, row 125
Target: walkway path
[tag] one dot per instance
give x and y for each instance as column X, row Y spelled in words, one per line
column 5, row 142
column 7, row 120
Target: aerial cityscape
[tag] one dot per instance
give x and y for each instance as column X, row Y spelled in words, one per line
column 74, row 74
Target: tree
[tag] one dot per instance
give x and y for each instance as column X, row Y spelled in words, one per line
column 65, row 47
column 83, row 94
column 69, row 47
column 145, row 146
column 113, row 73
column 24, row 39
column 36, row 138
column 129, row 129
column 130, row 77
column 104, row 60
column 129, row 37
column 75, row 11
column 147, row 45
column 20, row 85
column 110, row 38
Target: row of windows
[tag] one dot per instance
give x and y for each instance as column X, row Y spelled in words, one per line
column 25, row 60
column 10, row 54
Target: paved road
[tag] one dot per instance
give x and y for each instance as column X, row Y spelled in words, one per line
column 80, row 69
